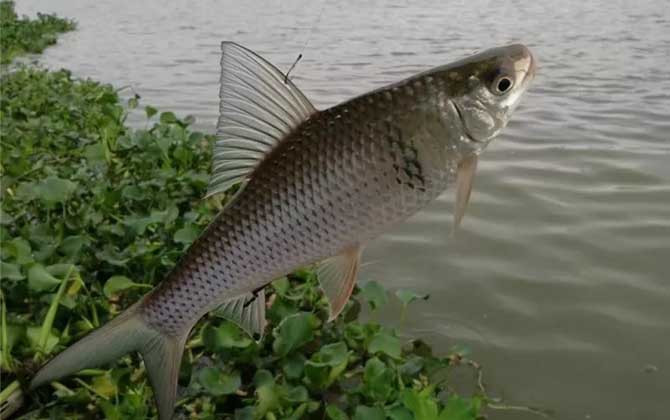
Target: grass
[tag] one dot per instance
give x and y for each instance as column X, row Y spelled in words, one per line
column 23, row 35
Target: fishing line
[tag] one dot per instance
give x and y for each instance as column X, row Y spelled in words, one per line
column 309, row 37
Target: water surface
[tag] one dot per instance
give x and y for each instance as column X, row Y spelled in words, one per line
column 558, row 280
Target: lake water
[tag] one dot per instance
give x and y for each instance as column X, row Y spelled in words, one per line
column 559, row 278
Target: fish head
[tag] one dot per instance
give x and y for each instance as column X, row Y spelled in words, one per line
column 483, row 90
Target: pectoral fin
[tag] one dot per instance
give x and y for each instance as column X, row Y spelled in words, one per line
column 337, row 276
column 464, row 179
column 247, row 311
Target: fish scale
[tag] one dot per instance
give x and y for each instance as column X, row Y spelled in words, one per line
column 338, row 180
column 314, row 186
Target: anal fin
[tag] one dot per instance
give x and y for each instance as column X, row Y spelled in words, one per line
column 247, row 311
column 337, row 276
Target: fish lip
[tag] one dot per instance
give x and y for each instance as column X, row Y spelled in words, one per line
column 466, row 131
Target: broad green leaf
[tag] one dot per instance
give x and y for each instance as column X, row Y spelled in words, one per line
column 267, row 393
column 458, row 408
column 375, row 294
column 21, row 251
column 187, row 234
column 399, row 413
column 5, row 218
column 295, row 394
column 55, row 190
column 218, row 382
column 293, row 365
column 378, row 380
column 409, row 296
column 412, row 366
column 421, row 403
column 369, row 413
column 10, row 271
column 116, row 284
column 383, row 342
column 168, row 118
column 335, row 413
column 331, row 355
column 104, row 386
column 73, row 244
column 95, row 152
column 293, row 332
column 246, row 413
column 33, row 335
column 39, row 279
column 14, row 334
column 150, row 111
column 225, row 336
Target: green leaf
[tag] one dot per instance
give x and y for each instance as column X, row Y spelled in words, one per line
column 33, row 334
column 150, row 111
column 73, row 244
column 409, row 296
column 10, row 271
column 267, row 393
column 383, row 342
column 331, row 355
column 168, row 118
column 293, row 332
column 335, row 413
column 295, row 394
column 326, row 365
column 104, row 386
column 375, row 294
column 399, row 413
column 54, row 190
column 5, row 218
column 21, row 251
column 225, row 336
column 421, row 403
column 187, row 234
column 39, row 279
column 218, row 382
column 369, row 413
column 378, row 380
column 133, row 102
column 461, row 409
column 293, row 365
column 116, row 284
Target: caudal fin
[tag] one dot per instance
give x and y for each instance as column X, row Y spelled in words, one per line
column 125, row 333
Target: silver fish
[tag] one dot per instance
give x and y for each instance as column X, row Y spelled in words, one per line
column 315, row 186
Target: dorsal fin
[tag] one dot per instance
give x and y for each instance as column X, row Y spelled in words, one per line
column 259, row 107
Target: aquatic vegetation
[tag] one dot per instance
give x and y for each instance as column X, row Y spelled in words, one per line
column 94, row 213
column 23, row 35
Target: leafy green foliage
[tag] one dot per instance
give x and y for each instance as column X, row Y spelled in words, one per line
column 95, row 213
column 20, row 36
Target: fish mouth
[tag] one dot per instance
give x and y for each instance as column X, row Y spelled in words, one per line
column 466, row 131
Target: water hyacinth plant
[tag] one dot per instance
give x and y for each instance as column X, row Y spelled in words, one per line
column 23, row 35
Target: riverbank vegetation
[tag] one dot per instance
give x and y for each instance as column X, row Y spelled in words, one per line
column 23, row 35
column 94, row 213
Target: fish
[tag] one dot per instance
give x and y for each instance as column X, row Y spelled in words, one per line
column 313, row 187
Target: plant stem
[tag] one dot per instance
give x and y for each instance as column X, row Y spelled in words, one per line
column 11, row 399
column 51, row 316
column 6, row 361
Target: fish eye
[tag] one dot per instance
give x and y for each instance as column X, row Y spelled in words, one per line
column 502, row 85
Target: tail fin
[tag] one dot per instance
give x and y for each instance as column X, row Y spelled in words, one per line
column 125, row 333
